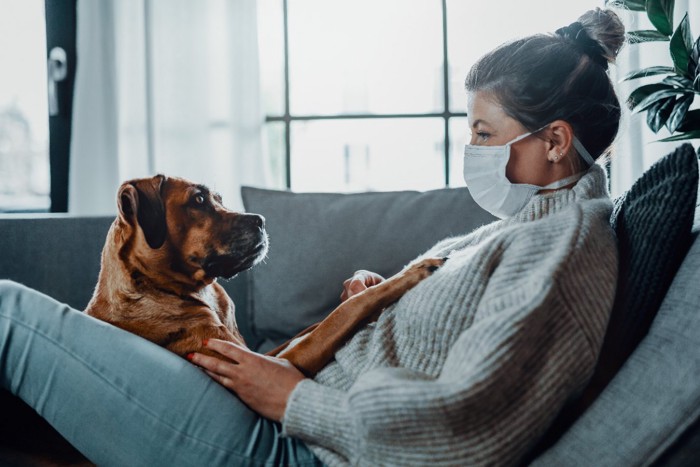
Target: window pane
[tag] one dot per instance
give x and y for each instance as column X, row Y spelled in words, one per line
column 271, row 46
column 474, row 28
column 459, row 136
column 365, row 56
column 24, row 125
column 274, row 152
column 376, row 154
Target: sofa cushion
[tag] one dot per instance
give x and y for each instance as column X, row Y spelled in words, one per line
column 317, row 240
column 656, row 395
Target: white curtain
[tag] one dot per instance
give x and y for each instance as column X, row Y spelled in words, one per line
column 165, row 86
column 637, row 147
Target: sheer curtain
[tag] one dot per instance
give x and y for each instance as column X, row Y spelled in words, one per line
column 165, row 86
column 637, row 147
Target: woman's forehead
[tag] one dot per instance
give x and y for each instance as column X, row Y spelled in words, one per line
column 483, row 108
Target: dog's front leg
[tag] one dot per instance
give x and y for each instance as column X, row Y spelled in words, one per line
column 314, row 350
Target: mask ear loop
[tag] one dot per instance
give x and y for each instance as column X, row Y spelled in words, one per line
column 583, row 152
column 525, row 135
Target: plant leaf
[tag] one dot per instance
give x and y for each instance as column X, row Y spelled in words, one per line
column 642, row 92
column 682, row 46
column 694, row 63
column 659, row 112
column 679, row 82
column 650, row 71
column 634, row 5
column 688, row 135
column 691, row 121
column 679, row 111
column 660, row 13
column 646, row 35
column 654, row 98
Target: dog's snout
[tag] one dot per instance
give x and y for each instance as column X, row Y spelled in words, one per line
column 252, row 220
column 259, row 221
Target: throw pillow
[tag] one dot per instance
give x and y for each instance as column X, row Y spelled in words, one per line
column 317, row 240
column 653, row 223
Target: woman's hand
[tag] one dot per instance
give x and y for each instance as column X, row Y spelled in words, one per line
column 263, row 383
column 359, row 281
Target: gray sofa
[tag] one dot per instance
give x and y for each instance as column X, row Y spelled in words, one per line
column 649, row 414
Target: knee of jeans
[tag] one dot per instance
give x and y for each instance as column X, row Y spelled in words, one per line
column 9, row 289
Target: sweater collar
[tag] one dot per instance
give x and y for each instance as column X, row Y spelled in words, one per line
column 592, row 185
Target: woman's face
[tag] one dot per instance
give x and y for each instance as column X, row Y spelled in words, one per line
column 491, row 126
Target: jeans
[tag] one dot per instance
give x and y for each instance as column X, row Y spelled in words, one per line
column 122, row 400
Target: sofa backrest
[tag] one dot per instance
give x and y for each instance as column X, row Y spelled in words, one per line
column 59, row 255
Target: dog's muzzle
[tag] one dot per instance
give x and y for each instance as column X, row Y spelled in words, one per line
column 247, row 246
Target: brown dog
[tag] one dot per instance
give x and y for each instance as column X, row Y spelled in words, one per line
column 172, row 239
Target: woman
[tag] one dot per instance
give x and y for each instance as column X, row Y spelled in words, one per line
column 470, row 367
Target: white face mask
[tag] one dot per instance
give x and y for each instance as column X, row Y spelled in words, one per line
column 485, row 174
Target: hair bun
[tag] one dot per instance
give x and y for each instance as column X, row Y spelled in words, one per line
column 605, row 28
column 576, row 33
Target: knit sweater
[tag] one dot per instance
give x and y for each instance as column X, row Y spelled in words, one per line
column 472, row 365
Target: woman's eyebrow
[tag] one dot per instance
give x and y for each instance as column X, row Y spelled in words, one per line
column 478, row 122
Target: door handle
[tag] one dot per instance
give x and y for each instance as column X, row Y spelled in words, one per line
column 57, row 70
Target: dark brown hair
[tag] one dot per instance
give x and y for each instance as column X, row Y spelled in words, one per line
column 560, row 76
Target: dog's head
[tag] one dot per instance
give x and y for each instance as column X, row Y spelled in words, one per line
column 179, row 231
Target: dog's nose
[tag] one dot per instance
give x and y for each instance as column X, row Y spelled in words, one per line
column 255, row 220
column 259, row 221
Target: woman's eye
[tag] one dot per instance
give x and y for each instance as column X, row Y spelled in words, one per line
column 483, row 136
column 199, row 199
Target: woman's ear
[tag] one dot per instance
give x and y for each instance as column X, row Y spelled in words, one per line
column 561, row 138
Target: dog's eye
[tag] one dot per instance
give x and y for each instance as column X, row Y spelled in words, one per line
column 199, row 199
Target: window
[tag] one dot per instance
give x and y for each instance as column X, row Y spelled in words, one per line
column 368, row 94
column 24, row 124
column 34, row 138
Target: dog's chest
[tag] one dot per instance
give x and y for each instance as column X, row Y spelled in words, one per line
column 220, row 305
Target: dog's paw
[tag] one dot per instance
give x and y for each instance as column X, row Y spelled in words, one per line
column 423, row 268
column 432, row 264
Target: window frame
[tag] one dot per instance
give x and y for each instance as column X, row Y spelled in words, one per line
column 287, row 117
column 61, row 32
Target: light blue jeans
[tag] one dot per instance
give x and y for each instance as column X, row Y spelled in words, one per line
column 122, row 400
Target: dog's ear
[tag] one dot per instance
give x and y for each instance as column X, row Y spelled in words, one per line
column 140, row 202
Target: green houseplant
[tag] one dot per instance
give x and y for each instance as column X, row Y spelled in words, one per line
column 667, row 102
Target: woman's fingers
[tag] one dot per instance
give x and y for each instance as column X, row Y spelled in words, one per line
column 230, row 350
column 264, row 383
column 354, row 285
column 359, row 281
column 235, row 353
